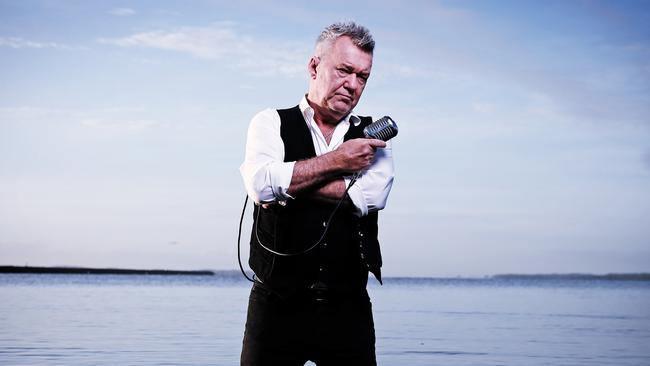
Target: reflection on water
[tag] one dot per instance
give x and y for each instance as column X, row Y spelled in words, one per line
column 186, row 320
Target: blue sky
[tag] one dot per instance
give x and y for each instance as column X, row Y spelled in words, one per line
column 524, row 139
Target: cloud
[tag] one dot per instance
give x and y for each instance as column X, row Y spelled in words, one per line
column 17, row 42
column 646, row 159
column 116, row 121
column 112, row 125
column 35, row 114
column 122, row 12
column 224, row 42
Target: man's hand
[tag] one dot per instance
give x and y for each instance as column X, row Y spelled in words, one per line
column 357, row 154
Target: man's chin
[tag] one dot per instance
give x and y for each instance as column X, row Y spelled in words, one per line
column 341, row 108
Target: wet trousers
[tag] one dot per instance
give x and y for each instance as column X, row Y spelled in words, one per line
column 325, row 328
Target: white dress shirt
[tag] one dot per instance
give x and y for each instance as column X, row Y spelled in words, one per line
column 267, row 176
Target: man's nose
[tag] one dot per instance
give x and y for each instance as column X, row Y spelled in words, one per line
column 352, row 81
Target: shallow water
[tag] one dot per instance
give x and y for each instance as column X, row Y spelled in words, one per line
column 184, row 320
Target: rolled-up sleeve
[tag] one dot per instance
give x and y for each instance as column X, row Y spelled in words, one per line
column 266, row 176
column 370, row 192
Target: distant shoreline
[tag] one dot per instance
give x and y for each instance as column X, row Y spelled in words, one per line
column 643, row 276
column 101, row 271
column 578, row 276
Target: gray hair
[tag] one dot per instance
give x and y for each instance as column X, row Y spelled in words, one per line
column 359, row 35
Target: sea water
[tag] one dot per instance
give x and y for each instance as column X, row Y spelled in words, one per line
column 76, row 320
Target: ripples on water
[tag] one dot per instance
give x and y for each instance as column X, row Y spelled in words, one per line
column 186, row 320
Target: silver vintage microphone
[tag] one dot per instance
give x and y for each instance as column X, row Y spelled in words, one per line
column 382, row 129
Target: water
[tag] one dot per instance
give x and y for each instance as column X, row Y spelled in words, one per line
column 183, row 320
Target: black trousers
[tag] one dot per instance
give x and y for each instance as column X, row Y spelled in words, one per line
column 291, row 330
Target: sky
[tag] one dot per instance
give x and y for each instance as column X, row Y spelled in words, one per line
column 524, row 143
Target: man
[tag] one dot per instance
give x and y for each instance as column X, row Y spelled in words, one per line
column 314, row 236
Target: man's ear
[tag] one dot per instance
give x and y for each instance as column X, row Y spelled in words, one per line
column 311, row 67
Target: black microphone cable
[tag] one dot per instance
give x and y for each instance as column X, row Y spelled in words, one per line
column 304, row 251
column 241, row 220
column 312, row 247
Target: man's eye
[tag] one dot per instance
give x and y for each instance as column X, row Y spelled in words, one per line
column 343, row 72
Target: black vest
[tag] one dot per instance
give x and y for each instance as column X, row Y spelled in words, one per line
column 350, row 248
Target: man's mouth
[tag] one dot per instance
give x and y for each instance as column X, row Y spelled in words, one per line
column 349, row 98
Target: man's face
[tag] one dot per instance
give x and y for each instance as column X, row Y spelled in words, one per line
column 339, row 77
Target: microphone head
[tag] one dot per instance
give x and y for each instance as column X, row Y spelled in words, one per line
column 382, row 129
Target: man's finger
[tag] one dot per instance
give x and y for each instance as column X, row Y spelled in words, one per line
column 376, row 143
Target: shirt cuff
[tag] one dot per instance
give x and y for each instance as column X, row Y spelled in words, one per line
column 279, row 175
column 356, row 195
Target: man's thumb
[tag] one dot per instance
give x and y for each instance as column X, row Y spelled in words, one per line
column 376, row 143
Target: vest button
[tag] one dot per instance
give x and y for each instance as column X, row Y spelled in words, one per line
column 324, row 223
column 360, row 233
column 320, row 269
column 324, row 245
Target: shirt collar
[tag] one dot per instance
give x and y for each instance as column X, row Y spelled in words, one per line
column 308, row 113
